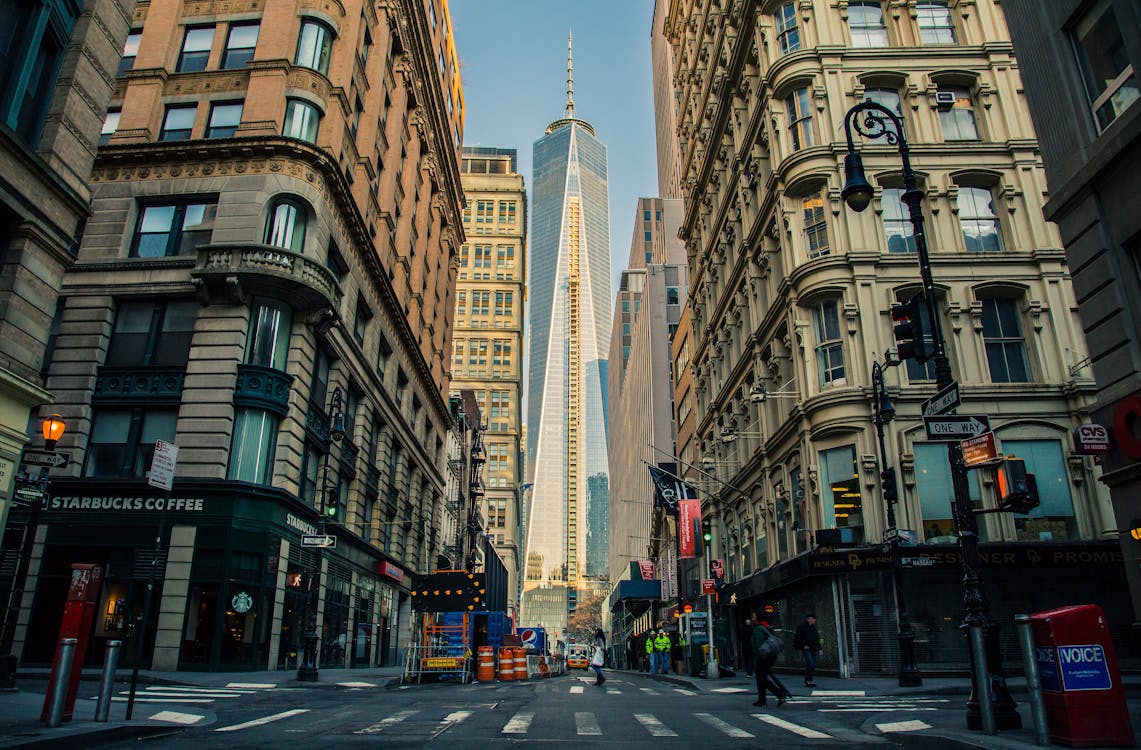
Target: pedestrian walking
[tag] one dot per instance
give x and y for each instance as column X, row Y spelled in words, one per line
column 745, row 643
column 766, row 647
column 807, row 642
column 662, row 649
column 598, row 655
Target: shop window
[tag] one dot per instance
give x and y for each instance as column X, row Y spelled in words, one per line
column 252, row 447
column 270, row 328
column 865, row 24
column 176, row 227
column 152, row 333
column 195, row 53
column 1053, row 520
column 240, row 44
column 286, row 223
column 123, row 441
column 841, row 497
column 301, row 120
column 1005, row 345
column 178, row 122
column 937, row 495
column 314, row 44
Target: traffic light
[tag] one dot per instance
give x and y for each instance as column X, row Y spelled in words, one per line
column 706, row 530
column 910, row 336
column 887, row 481
column 1017, row 490
column 331, row 504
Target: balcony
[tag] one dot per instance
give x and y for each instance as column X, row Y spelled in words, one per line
column 230, row 273
column 130, row 384
column 263, row 388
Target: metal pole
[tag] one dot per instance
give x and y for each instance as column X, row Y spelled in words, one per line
column 1033, row 680
column 62, row 678
column 144, row 622
column 982, row 682
column 107, row 681
column 711, row 670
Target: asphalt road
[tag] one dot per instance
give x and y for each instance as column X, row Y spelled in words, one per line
column 629, row 711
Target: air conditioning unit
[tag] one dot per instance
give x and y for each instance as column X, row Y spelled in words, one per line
column 944, row 100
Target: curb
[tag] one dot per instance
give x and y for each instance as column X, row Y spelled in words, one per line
column 73, row 739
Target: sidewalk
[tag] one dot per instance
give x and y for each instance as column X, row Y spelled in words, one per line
column 20, row 724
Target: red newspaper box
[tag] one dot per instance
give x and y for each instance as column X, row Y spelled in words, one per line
column 78, row 614
column 1081, row 682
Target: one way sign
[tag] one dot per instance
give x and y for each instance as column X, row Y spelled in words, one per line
column 956, row 426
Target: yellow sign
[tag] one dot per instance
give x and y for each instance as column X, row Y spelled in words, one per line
column 442, row 662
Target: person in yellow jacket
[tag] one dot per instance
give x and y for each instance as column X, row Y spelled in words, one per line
column 662, row 649
column 651, row 657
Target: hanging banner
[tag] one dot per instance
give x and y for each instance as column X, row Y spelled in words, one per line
column 669, row 575
column 689, row 519
column 647, row 568
column 669, row 489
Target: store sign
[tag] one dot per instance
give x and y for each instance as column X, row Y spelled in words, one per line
column 391, row 570
column 191, row 504
column 1091, row 439
column 708, row 587
column 647, row 569
column 242, row 602
column 303, row 526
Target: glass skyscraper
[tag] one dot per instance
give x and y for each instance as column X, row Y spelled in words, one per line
column 569, row 341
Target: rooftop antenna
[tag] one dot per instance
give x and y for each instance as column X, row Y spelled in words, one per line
column 570, row 78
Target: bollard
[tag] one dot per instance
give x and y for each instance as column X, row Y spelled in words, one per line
column 1033, row 680
column 982, row 678
column 62, row 679
column 107, row 682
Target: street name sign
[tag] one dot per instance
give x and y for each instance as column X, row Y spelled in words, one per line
column 980, row 451
column 943, row 401
column 50, row 459
column 327, row 541
column 30, row 495
column 953, row 427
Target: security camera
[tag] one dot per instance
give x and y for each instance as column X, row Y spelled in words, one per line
column 944, row 100
column 757, row 394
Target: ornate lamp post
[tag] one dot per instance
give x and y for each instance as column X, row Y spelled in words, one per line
column 909, row 675
column 307, row 671
column 873, row 120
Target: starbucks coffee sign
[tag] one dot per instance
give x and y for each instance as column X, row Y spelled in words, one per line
column 128, row 504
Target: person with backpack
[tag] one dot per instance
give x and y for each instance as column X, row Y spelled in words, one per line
column 807, row 642
column 766, row 648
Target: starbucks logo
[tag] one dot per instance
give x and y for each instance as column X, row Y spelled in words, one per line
column 242, row 602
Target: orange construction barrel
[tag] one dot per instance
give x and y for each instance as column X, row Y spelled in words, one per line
column 485, row 667
column 506, row 663
column 520, row 663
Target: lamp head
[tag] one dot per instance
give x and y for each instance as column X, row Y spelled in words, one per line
column 53, row 428
column 337, row 420
column 758, row 394
column 857, row 192
column 884, row 407
column 728, row 434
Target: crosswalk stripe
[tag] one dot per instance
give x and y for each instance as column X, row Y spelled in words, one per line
column 519, row 723
column 839, row 693
column 613, row 691
column 914, row 725
column 388, row 721
column 723, row 726
column 877, row 709
column 195, row 689
column 140, row 699
column 653, row 726
column 805, row 732
column 176, row 718
column 456, row 717
column 730, row 690
column 262, row 720
column 586, row 724
column 683, row 691
column 576, row 688
column 251, row 684
column 649, row 691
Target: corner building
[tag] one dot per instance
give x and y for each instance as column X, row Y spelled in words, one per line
column 790, row 290
column 276, row 219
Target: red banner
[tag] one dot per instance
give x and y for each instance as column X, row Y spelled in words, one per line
column 647, row 568
column 689, row 516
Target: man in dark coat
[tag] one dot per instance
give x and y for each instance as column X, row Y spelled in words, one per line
column 807, row 642
column 745, row 640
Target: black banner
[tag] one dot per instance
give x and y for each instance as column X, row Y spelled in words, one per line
column 669, row 488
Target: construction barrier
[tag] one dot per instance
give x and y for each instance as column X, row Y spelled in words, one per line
column 520, row 663
column 544, row 669
column 438, row 662
column 485, row 670
column 506, row 663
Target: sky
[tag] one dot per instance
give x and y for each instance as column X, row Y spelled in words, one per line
column 513, row 65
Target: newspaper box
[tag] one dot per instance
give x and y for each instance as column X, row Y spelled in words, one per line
column 1081, row 682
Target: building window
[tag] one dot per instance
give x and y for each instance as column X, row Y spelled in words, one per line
column 937, row 494
column 958, row 122
column 865, row 24
column 270, row 327
column 33, row 36
column 815, row 224
column 178, row 122
column 800, row 119
column 1005, row 347
column 110, row 125
column 917, row 371
column 285, row 224
column 314, row 45
column 130, row 51
column 196, row 44
column 829, row 350
column 788, row 35
column 934, row 19
column 1053, row 520
column 841, row 500
column 123, row 440
column 240, row 44
column 978, row 219
column 673, row 295
column 178, row 228
column 301, row 120
column 360, row 322
column 224, row 119
column 1104, row 61
column 889, row 100
column 507, row 212
column 897, row 225
column 152, row 333
column 252, row 446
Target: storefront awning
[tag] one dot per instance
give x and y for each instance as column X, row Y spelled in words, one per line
column 642, row 590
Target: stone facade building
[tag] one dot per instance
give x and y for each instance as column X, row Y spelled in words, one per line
column 271, row 256
column 791, row 292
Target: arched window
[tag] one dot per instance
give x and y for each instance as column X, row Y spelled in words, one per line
column 285, row 225
column 301, row 120
column 314, row 45
column 788, row 35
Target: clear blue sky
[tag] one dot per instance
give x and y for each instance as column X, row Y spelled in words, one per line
column 513, row 60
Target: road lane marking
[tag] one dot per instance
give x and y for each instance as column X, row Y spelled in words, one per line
column 805, row 732
column 576, row 688
column 195, row 689
column 519, row 723
column 838, row 693
column 388, row 721
column 120, row 699
column 653, row 726
column 455, row 717
column 176, row 718
column 613, row 691
column 649, row 691
column 263, row 720
column 251, row 684
column 878, row 709
column 914, row 725
column 723, row 726
column 586, row 724
column 731, row 690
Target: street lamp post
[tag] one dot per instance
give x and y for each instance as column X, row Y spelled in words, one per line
column 909, row 675
column 873, row 120
column 307, row 671
column 37, row 488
